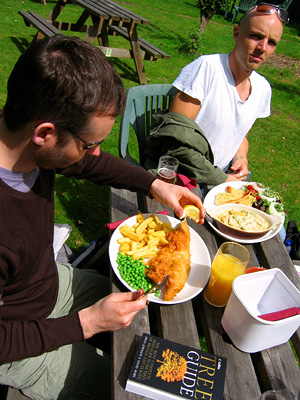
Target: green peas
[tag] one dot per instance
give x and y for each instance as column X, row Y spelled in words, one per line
column 133, row 272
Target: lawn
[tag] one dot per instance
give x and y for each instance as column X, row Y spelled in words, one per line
column 274, row 141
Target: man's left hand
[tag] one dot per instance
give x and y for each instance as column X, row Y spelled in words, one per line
column 240, row 169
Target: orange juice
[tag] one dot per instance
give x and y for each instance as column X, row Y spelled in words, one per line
column 225, row 268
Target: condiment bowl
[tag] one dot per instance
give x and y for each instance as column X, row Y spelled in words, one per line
column 273, row 221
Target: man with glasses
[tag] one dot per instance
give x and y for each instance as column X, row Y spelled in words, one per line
column 224, row 95
column 63, row 96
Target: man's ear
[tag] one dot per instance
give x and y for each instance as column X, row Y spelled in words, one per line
column 44, row 133
column 236, row 31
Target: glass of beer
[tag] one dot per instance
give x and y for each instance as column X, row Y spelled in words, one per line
column 231, row 260
column 167, row 169
column 281, row 394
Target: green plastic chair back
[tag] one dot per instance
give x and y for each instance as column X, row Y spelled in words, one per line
column 246, row 4
column 243, row 6
column 142, row 102
column 286, row 4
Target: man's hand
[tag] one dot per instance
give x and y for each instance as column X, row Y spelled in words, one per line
column 240, row 161
column 232, row 178
column 176, row 197
column 240, row 169
column 113, row 312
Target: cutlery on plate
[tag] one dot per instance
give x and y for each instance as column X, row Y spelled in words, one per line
column 156, row 286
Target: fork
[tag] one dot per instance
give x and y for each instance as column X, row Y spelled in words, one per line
column 156, row 287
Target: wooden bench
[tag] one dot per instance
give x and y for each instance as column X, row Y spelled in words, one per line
column 152, row 53
column 117, row 12
column 44, row 27
column 99, row 20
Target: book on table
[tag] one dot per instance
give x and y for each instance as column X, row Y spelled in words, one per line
column 163, row 369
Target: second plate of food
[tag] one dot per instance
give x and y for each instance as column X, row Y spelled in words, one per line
column 209, row 203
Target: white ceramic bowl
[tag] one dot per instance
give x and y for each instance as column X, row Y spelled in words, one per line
column 273, row 221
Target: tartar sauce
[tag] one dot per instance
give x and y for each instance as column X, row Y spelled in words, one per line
column 243, row 220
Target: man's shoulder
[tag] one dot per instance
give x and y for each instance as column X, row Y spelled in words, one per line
column 207, row 65
column 212, row 59
column 260, row 80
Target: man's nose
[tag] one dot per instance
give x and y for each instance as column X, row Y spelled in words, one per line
column 263, row 43
column 94, row 151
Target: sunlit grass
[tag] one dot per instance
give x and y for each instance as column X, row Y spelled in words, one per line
column 274, row 141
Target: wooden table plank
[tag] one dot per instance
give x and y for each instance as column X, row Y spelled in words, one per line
column 278, row 369
column 102, row 10
column 179, row 324
column 275, row 256
column 125, row 341
column 240, row 373
column 124, row 11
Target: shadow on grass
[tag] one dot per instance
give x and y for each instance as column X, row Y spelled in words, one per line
column 292, row 89
column 83, row 204
column 20, row 43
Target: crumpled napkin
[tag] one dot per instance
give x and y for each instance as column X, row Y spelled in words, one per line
column 113, row 225
column 183, row 180
column 277, row 315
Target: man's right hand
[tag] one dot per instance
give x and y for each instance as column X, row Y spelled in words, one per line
column 113, row 312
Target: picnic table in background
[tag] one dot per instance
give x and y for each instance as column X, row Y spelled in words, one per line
column 107, row 19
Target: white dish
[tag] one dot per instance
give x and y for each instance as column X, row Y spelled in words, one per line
column 209, row 202
column 200, row 262
column 297, row 267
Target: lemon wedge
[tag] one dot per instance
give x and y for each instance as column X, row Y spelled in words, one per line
column 191, row 212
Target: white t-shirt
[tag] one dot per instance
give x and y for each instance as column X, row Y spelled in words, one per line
column 224, row 118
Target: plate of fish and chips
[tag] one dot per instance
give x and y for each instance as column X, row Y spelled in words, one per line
column 197, row 272
column 217, row 198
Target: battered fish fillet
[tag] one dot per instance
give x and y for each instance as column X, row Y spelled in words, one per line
column 174, row 259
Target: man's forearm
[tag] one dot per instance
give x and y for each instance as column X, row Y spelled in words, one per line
column 242, row 151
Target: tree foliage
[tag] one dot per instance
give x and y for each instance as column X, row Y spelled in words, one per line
column 207, row 9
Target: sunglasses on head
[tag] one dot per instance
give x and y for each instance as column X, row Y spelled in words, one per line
column 268, row 9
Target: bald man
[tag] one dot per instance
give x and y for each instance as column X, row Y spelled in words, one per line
column 224, row 94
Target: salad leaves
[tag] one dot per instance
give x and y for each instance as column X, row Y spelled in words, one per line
column 266, row 199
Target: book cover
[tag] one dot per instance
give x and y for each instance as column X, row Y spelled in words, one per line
column 163, row 369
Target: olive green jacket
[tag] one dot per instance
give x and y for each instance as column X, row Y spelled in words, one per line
column 179, row 136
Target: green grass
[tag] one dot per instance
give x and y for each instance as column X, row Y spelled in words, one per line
column 274, row 141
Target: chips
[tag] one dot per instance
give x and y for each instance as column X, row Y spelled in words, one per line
column 144, row 238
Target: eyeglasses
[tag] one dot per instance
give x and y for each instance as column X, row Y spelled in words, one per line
column 88, row 146
column 268, row 9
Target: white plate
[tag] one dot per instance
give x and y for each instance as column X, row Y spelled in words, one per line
column 297, row 267
column 209, row 202
column 200, row 262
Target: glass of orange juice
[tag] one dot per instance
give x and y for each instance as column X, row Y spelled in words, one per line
column 231, row 260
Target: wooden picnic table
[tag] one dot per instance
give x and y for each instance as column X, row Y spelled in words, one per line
column 247, row 375
column 100, row 20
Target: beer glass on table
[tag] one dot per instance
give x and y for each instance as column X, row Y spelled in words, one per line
column 167, row 169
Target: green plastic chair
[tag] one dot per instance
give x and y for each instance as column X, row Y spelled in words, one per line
column 246, row 4
column 142, row 101
column 286, row 4
column 243, row 7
